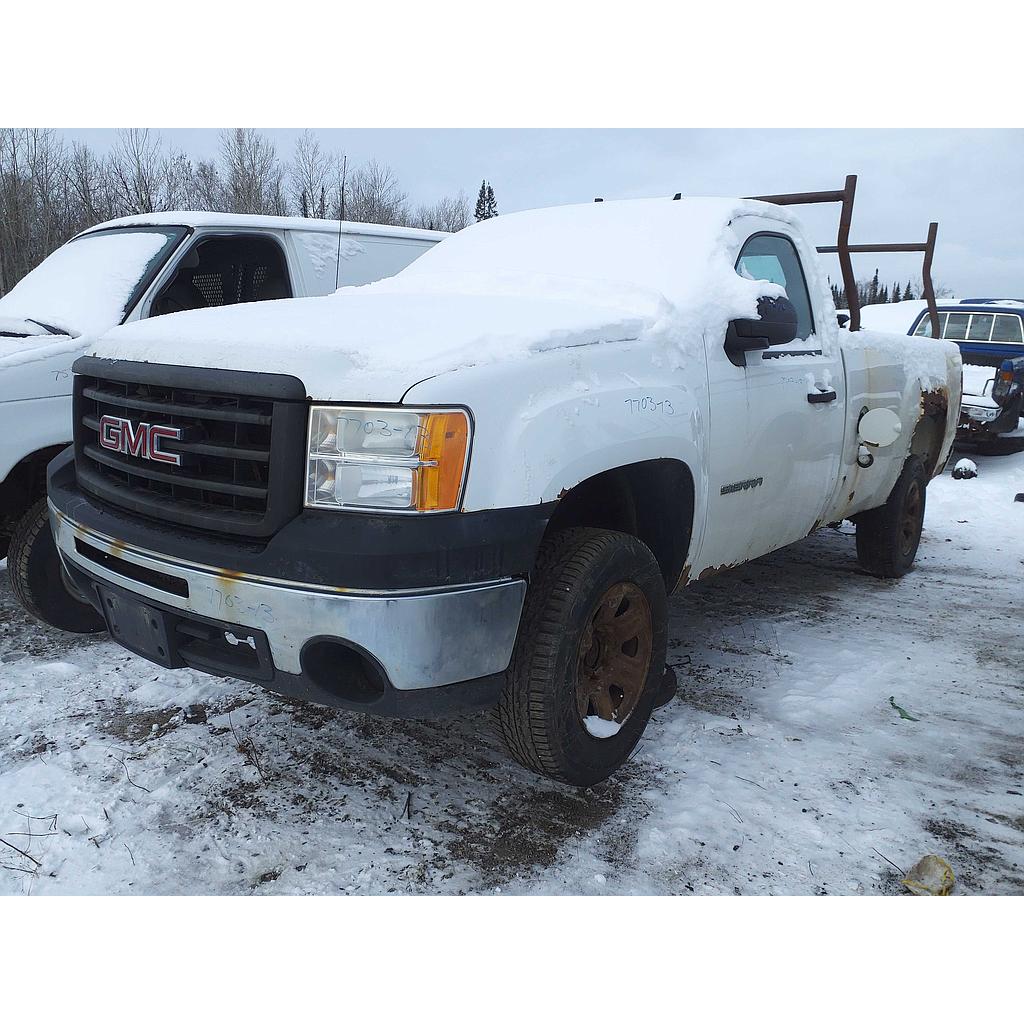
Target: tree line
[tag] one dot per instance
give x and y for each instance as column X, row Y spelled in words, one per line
column 871, row 291
column 51, row 189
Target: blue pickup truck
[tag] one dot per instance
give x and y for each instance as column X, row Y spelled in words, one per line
column 990, row 333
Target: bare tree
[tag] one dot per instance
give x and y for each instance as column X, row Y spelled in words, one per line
column 450, row 213
column 136, row 165
column 253, row 176
column 35, row 213
column 375, row 197
column 310, row 176
column 206, row 190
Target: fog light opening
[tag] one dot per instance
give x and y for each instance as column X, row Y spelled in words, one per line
column 344, row 671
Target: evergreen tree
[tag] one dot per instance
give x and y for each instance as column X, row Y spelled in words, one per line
column 908, row 292
column 486, row 204
column 873, row 289
column 480, row 212
column 895, row 292
column 883, row 295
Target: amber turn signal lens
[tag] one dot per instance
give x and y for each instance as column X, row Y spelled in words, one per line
column 442, row 461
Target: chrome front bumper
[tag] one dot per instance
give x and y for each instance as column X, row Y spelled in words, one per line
column 421, row 639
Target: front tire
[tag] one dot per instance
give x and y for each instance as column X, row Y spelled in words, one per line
column 37, row 576
column 888, row 537
column 590, row 657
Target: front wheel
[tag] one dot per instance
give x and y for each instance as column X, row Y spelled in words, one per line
column 38, row 580
column 590, row 657
column 888, row 537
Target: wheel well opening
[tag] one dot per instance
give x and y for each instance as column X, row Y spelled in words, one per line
column 652, row 501
column 24, row 486
column 930, row 429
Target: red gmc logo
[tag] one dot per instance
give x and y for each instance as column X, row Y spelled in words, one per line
column 139, row 439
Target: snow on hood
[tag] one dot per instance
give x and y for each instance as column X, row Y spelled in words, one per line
column 511, row 287
column 978, row 379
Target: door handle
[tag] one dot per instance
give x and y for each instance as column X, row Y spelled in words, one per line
column 819, row 397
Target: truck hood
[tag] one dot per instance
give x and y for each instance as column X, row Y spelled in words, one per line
column 375, row 342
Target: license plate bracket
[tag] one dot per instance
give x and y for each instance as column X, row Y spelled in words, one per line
column 141, row 628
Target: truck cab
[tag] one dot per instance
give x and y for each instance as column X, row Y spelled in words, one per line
column 137, row 268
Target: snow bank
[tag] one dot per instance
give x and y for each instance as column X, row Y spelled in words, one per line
column 893, row 317
column 83, row 286
column 506, row 288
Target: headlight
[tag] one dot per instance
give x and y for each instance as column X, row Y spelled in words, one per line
column 388, row 459
column 981, row 413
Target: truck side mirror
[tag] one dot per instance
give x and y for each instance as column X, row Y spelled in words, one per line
column 776, row 325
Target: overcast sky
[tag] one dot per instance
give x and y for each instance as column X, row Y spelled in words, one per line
column 971, row 182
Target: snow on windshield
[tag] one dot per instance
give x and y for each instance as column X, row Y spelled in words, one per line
column 83, row 286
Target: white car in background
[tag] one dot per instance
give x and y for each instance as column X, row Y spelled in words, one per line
column 146, row 266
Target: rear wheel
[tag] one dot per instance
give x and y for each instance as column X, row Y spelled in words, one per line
column 888, row 537
column 38, row 580
column 590, row 657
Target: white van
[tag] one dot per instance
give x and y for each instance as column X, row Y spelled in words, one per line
column 146, row 266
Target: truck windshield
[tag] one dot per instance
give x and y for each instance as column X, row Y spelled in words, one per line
column 91, row 282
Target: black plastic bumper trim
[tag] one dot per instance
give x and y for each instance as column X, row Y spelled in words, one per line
column 349, row 549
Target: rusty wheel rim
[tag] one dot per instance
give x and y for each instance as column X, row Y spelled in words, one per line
column 910, row 522
column 614, row 655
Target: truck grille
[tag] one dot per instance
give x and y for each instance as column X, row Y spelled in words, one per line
column 240, row 450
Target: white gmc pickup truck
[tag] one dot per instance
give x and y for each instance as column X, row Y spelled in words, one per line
column 477, row 482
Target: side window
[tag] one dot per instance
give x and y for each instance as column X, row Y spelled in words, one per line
column 380, row 258
column 364, row 258
column 1007, row 328
column 318, row 253
column 773, row 258
column 981, row 327
column 955, row 328
column 924, row 328
column 224, row 270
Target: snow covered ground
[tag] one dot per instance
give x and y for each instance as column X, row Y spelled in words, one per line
column 781, row 766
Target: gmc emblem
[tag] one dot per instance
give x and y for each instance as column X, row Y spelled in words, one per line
column 139, row 439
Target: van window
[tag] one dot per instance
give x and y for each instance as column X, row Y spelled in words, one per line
column 224, row 270
column 773, row 258
column 380, row 258
column 364, row 258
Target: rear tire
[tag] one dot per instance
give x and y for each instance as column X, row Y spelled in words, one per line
column 888, row 537
column 37, row 576
column 591, row 646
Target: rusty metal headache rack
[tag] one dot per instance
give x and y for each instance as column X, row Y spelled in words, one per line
column 843, row 249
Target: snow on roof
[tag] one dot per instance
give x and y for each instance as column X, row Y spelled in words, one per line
column 206, row 218
column 671, row 246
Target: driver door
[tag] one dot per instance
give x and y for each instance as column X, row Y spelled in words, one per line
column 776, row 423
